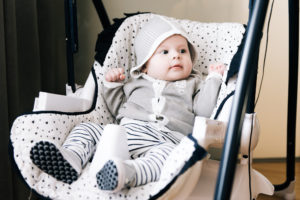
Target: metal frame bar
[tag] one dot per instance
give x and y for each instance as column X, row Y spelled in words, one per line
column 71, row 38
column 252, row 89
column 245, row 77
column 292, row 93
column 72, row 33
column 102, row 13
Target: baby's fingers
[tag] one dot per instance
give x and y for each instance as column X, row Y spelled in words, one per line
column 221, row 68
column 218, row 68
column 121, row 75
column 115, row 75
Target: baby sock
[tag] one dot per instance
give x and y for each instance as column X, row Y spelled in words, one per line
column 49, row 159
column 72, row 158
column 115, row 175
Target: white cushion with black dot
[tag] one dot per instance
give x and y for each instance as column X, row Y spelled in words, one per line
column 215, row 42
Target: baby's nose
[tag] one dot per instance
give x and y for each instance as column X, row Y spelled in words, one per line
column 176, row 55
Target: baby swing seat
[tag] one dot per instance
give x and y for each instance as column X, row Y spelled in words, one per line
column 215, row 43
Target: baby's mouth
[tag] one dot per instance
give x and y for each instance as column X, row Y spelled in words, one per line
column 176, row 67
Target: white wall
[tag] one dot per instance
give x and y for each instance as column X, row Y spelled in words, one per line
column 202, row 10
column 272, row 105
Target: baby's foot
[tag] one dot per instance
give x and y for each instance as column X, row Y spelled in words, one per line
column 49, row 159
column 115, row 175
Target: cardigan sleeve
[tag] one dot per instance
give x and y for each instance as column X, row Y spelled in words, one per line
column 206, row 96
column 114, row 96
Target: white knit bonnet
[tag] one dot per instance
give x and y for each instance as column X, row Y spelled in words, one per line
column 151, row 35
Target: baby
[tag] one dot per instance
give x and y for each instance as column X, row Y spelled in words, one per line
column 157, row 107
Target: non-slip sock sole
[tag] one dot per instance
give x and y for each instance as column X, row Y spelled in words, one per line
column 107, row 177
column 47, row 157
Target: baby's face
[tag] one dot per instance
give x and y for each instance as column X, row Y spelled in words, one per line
column 171, row 61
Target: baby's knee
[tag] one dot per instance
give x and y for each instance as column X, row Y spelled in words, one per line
column 88, row 127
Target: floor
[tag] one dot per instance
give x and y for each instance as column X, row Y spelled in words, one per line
column 275, row 172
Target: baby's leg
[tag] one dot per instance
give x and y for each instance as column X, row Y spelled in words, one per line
column 148, row 166
column 117, row 174
column 82, row 142
column 149, row 149
column 66, row 163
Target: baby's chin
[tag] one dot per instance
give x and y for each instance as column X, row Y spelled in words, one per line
column 176, row 77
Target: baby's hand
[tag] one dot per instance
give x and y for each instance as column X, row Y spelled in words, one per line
column 217, row 68
column 115, row 75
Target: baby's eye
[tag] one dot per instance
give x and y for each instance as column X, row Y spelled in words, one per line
column 182, row 51
column 164, row 51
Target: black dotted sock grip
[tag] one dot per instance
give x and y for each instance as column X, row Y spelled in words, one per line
column 48, row 158
column 107, row 177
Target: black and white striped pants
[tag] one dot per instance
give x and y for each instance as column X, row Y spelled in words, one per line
column 149, row 145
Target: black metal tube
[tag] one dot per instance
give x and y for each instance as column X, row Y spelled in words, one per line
column 233, row 135
column 292, row 93
column 71, row 39
column 74, row 28
column 102, row 13
column 252, row 85
column 254, row 64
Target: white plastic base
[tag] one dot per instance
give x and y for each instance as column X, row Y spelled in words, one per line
column 206, row 186
column 288, row 193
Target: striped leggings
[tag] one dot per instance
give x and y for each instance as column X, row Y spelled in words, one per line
column 149, row 146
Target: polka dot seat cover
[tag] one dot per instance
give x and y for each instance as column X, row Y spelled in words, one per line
column 215, row 42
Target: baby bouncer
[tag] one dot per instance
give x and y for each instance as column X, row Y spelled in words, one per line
column 185, row 175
